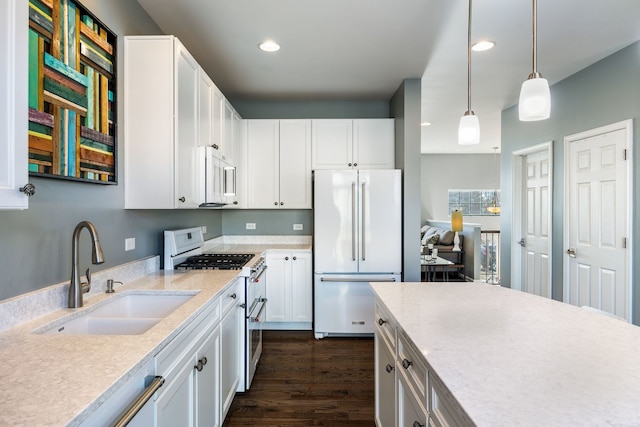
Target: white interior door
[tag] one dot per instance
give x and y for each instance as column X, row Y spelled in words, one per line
column 597, row 219
column 531, row 251
column 537, row 200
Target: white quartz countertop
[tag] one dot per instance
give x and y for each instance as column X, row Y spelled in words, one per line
column 514, row 359
column 56, row 380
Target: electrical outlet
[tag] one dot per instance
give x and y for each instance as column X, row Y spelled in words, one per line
column 251, row 225
column 129, row 244
column 204, row 229
column 297, row 227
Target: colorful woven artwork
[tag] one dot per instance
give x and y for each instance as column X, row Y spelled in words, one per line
column 71, row 93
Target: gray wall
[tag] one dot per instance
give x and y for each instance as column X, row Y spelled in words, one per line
column 442, row 172
column 604, row 93
column 35, row 244
column 405, row 108
column 311, row 109
column 268, row 221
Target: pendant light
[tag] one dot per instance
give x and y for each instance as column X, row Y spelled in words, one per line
column 494, row 208
column 469, row 127
column 535, row 98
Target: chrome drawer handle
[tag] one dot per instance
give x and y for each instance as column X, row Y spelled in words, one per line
column 406, row 363
column 381, row 322
column 389, row 368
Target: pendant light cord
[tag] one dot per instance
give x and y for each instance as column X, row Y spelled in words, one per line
column 469, row 61
column 534, row 50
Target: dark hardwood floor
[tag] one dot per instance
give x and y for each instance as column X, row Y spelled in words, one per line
column 301, row 381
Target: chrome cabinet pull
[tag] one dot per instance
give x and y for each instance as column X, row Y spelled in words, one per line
column 286, row 258
column 294, row 258
column 406, row 363
column 381, row 321
column 389, row 368
column 182, row 199
column 417, row 424
column 233, row 295
column 29, row 189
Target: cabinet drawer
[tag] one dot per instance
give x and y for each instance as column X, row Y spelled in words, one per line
column 386, row 327
column 232, row 296
column 171, row 354
column 411, row 364
column 443, row 409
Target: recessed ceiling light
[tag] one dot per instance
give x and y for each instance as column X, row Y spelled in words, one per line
column 269, row 46
column 425, row 124
column 483, row 45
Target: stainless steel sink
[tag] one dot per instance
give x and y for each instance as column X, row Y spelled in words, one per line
column 128, row 314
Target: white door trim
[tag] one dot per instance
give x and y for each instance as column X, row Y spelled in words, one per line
column 627, row 126
column 516, row 208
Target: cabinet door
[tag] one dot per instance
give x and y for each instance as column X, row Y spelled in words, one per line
column 13, row 104
column 411, row 412
column 385, row 384
column 374, row 143
column 207, row 381
column 229, row 358
column 205, row 109
column 227, row 144
column 332, row 142
column 301, row 287
column 175, row 405
column 277, row 285
column 218, row 121
column 186, row 118
column 262, row 164
column 295, row 164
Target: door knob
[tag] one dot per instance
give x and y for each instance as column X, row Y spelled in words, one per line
column 522, row 242
column 571, row 252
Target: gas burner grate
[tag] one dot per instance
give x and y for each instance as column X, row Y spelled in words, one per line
column 215, row 262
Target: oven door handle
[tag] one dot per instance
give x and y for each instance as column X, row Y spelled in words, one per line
column 257, row 277
column 256, row 318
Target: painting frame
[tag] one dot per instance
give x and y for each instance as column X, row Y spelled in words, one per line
column 72, row 94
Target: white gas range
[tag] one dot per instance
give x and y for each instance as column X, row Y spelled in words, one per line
column 183, row 250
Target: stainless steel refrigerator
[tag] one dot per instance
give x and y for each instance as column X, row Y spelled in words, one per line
column 357, row 239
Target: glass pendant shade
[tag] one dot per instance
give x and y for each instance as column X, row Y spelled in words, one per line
column 535, row 100
column 469, row 129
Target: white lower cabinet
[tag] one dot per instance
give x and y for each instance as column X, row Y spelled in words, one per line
column 231, row 344
column 385, row 377
column 190, row 364
column 407, row 393
column 289, row 290
column 411, row 411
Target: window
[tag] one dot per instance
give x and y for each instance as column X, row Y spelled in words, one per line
column 473, row 202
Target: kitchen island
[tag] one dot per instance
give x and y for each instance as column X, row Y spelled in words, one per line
column 499, row 357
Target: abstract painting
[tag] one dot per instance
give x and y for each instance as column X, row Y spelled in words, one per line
column 72, row 96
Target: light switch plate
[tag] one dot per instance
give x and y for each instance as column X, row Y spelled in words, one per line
column 129, row 244
column 251, row 225
column 297, row 227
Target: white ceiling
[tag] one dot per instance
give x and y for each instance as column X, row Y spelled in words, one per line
column 362, row 50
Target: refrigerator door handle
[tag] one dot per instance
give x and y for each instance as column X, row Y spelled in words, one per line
column 362, row 215
column 342, row 280
column 353, row 221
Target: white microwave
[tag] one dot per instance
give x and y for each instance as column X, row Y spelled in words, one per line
column 219, row 188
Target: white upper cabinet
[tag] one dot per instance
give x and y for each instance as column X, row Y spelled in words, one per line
column 206, row 89
column 353, row 144
column 228, row 138
column 218, row 122
column 163, row 169
column 13, row 104
column 278, row 168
